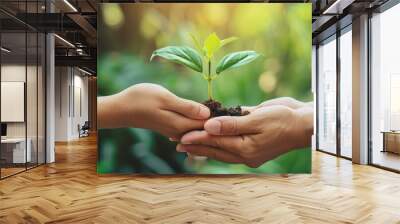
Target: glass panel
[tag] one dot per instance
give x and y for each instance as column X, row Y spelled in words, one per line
column 385, row 86
column 23, row 91
column 41, row 99
column 327, row 96
column 346, row 94
column 31, row 100
column 13, row 86
column 32, row 88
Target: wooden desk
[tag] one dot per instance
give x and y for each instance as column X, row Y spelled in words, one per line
column 391, row 141
column 13, row 150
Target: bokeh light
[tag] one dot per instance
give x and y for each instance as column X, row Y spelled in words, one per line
column 112, row 15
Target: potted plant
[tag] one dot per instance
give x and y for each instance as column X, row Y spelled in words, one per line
column 202, row 59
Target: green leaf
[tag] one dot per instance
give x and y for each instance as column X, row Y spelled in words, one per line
column 211, row 45
column 228, row 40
column 182, row 55
column 196, row 43
column 236, row 59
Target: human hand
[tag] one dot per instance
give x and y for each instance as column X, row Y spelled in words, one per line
column 152, row 107
column 283, row 101
column 267, row 132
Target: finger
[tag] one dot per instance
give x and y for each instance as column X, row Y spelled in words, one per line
column 174, row 125
column 210, row 152
column 185, row 125
column 232, row 144
column 227, row 125
column 196, row 157
column 189, row 108
column 283, row 101
column 248, row 108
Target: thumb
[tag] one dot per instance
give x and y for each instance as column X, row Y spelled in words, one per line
column 190, row 109
column 227, row 125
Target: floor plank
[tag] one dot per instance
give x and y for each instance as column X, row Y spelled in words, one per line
column 70, row 191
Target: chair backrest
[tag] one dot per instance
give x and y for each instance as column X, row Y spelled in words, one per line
column 86, row 124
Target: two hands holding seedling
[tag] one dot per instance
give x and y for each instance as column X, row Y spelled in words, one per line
column 271, row 129
column 267, row 131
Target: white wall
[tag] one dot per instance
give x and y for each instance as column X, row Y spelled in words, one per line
column 80, row 102
column 16, row 73
column 61, row 103
column 71, row 94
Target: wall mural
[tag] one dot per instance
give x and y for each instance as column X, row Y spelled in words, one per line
column 204, row 88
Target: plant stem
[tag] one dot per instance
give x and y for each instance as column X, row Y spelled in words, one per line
column 209, row 81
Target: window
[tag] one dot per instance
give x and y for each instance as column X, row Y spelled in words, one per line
column 327, row 95
column 385, row 89
column 346, row 92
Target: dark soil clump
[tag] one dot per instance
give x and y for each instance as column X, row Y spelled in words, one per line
column 218, row 110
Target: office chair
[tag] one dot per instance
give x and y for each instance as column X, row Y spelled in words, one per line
column 84, row 130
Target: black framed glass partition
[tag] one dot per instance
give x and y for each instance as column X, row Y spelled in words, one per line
column 385, row 89
column 31, row 98
column 334, row 93
column 22, row 101
column 13, row 147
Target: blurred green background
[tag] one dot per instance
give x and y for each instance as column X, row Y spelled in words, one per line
column 129, row 33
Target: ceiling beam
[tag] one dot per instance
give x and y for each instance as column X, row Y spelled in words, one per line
column 85, row 25
column 77, row 61
column 49, row 22
column 337, row 7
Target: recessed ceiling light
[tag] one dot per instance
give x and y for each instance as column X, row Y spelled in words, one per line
column 84, row 71
column 5, row 50
column 65, row 41
column 70, row 5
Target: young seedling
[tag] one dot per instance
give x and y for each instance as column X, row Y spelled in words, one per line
column 201, row 60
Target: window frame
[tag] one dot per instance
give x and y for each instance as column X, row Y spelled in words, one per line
column 333, row 37
column 381, row 9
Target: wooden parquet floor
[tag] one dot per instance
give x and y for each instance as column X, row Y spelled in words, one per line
column 70, row 191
